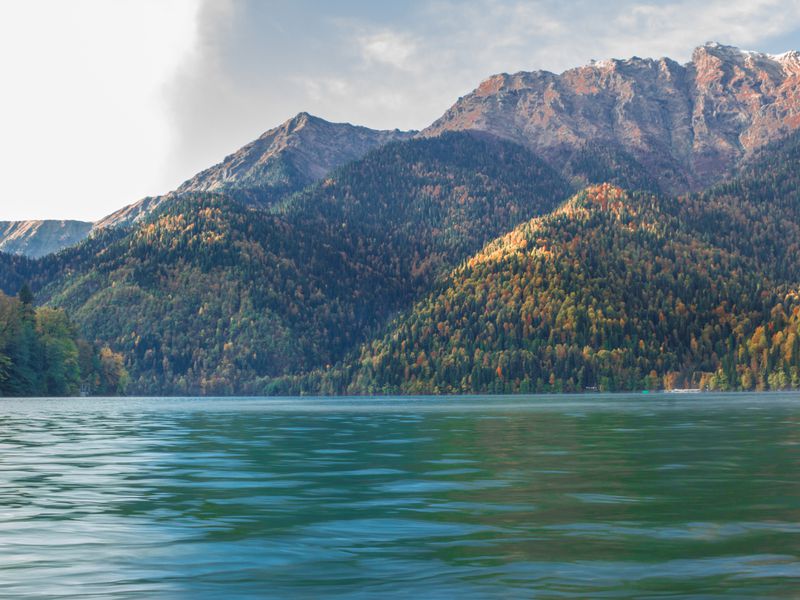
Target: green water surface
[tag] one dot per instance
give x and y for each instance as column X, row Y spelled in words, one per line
column 596, row 496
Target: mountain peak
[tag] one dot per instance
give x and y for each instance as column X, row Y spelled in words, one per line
column 713, row 46
column 686, row 124
column 790, row 58
column 301, row 120
column 290, row 156
column 717, row 52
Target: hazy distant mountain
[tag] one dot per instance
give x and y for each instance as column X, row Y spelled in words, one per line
column 282, row 161
column 687, row 123
column 38, row 238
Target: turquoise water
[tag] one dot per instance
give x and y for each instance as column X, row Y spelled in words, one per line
column 598, row 496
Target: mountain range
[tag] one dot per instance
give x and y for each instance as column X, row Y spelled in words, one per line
column 687, row 124
column 623, row 225
column 281, row 161
column 40, row 238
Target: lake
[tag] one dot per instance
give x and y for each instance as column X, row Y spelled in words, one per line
column 594, row 496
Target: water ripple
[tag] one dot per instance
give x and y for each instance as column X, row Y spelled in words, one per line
column 601, row 496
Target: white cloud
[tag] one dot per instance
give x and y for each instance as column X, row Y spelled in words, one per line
column 82, row 108
column 675, row 28
column 324, row 88
column 388, row 48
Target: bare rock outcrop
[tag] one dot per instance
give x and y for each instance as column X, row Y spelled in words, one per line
column 688, row 123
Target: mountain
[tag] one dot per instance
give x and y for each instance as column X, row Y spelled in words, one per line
column 280, row 162
column 625, row 225
column 210, row 293
column 755, row 213
column 38, row 238
column 682, row 127
column 687, row 124
column 300, row 151
column 133, row 213
column 607, row 292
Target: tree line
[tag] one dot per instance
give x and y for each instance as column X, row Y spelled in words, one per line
column 41, row 354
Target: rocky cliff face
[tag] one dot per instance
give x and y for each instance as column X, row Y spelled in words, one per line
column 38, row 238
column 282, row 161
column 688, row 123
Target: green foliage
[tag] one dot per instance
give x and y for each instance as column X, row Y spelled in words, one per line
column 266, row 184
column 379, row 279
column 608, row 164
column 602, row 293
column 755, row 214
column 39, row 352
column 15, row 270
column 212, row 294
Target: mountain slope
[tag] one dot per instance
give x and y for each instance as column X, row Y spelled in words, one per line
column 270, row 272
column 604, row 292
column 755, row 214
column 210, row 294
column 688, row 124
column 302, row 150
column 280, row 162
column 38, row 238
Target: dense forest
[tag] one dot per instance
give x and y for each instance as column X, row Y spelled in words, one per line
column 600, row 294
column 452, row 264
column 211, row 294
column 607, row 164
column 41, row 354
column 755, row 214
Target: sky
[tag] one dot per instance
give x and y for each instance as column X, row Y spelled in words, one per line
column 104, row 102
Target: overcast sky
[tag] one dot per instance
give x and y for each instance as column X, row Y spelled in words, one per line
column 106, row 101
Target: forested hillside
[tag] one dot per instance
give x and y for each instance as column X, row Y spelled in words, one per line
column 606, row 292
column 210, row 294
column 41, row 354
column 607, row 164
column 756, row 213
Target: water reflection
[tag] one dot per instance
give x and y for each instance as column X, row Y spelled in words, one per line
column 610, row 497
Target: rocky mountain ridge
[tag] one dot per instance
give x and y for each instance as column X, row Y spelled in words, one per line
column 39, row 238
column 310, row 146
column 684, row 126
column 689, row 123
column 281, row 161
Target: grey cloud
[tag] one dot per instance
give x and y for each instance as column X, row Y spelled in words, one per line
column 261, row 62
